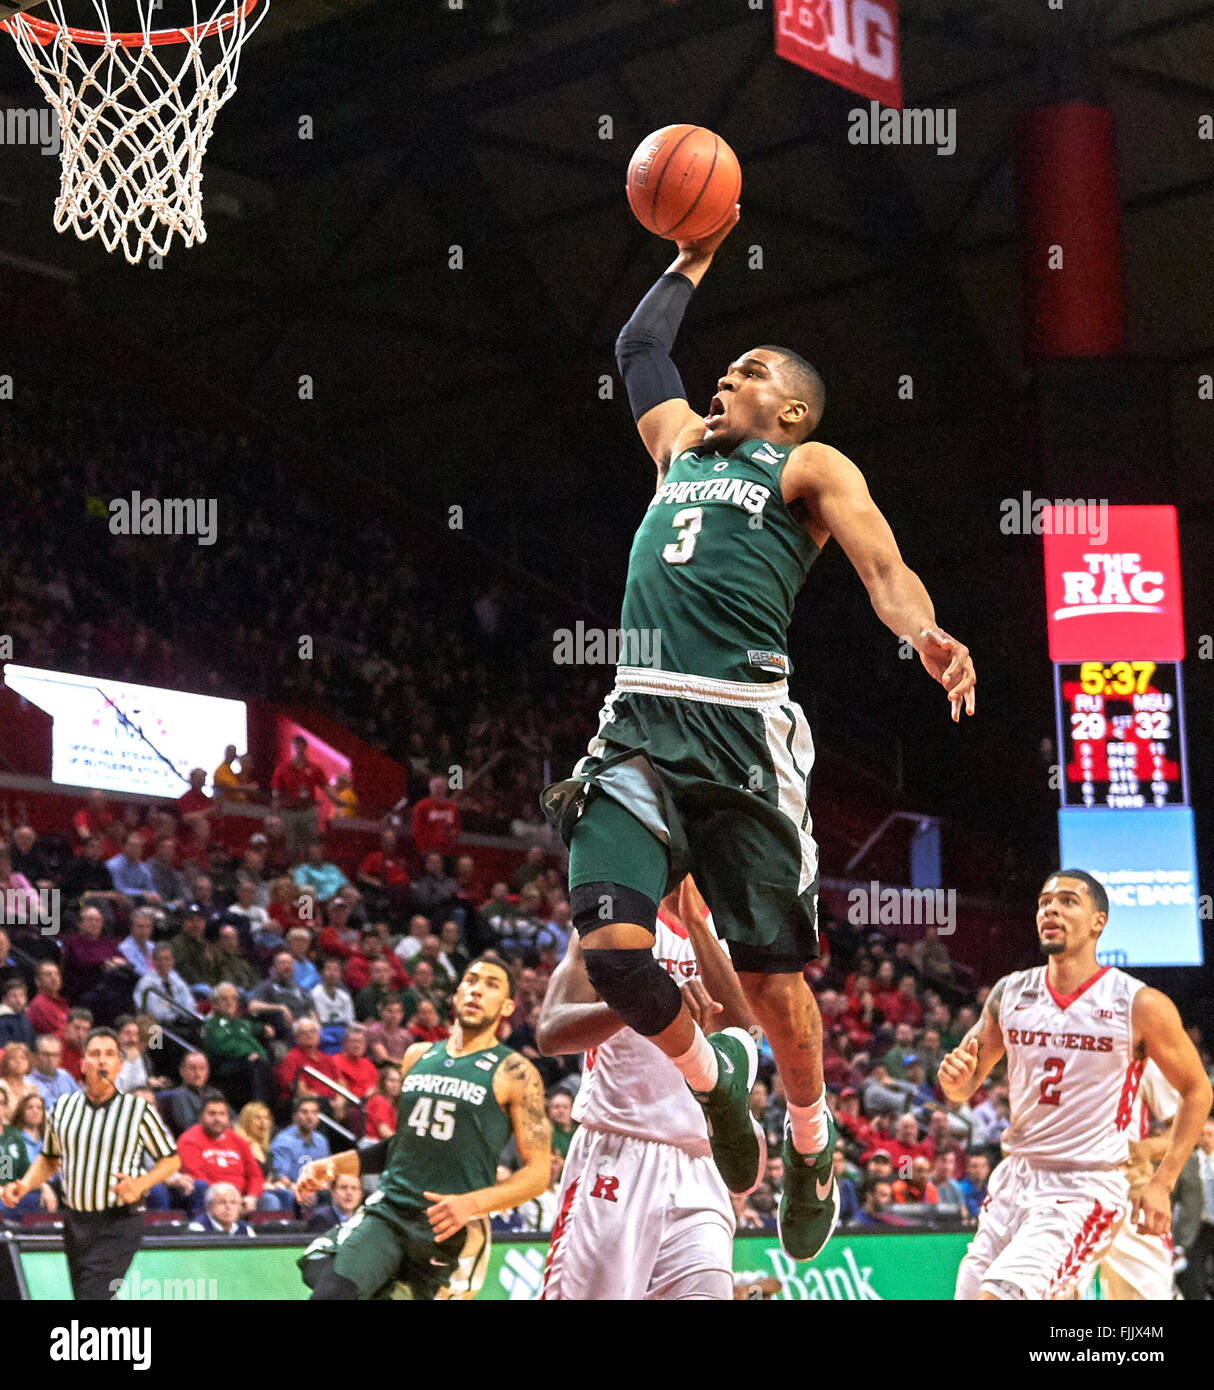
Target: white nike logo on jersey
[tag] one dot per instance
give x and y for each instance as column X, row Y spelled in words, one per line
column 766, row 456
column 728, row 1065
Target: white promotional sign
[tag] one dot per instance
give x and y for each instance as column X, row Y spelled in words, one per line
column 129, row 738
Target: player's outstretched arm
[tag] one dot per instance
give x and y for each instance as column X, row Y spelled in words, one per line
column 1159, row 1031
column 837, row 495
column 717, row 975
column 642, row 352
column 572, row 1017
column 968, row 1065
column 520, row 1092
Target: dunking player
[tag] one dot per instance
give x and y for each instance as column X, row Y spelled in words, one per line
column 425, row 1227
column 1077, row 1038
column 639, row 1178
column 703, row 765
column 1139, row 1265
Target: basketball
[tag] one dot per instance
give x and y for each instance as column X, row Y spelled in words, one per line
column 682, row 182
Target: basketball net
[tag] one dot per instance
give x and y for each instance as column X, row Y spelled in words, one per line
column 136, row 112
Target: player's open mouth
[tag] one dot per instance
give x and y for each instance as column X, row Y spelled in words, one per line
column 716, row 412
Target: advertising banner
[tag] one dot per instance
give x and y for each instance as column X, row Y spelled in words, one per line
column 857, row 1268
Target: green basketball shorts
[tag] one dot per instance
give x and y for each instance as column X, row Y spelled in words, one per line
column 389, row 1252
column 715, row 777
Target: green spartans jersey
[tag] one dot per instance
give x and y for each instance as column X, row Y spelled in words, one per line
column 449, row 1127
column 715, row 567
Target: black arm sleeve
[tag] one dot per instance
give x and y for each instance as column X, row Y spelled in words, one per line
column 373, row 1157
column 642, row 351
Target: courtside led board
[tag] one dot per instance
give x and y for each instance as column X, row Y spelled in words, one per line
column 853, row 43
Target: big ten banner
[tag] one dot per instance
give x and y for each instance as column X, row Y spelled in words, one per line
column 851, row 42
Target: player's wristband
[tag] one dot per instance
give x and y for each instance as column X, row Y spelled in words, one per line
column 642, row 350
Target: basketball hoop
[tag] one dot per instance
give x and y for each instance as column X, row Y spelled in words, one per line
column 136, row 111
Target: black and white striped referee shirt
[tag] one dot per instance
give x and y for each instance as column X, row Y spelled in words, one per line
column 94, row 1143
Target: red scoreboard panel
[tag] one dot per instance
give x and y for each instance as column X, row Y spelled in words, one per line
column 1112, row 583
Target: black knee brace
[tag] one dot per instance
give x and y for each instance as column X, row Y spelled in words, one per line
column 594, row 905
column 635, row 988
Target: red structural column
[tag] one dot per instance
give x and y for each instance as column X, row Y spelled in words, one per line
column 1067, row 167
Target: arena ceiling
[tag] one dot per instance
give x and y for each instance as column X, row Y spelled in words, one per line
column 480, row 128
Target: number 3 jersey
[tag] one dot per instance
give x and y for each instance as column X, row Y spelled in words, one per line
column 715, row 567
column 1072, row 1076
column 449, row 1127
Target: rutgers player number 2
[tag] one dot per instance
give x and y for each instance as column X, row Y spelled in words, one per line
column 1051, row 1083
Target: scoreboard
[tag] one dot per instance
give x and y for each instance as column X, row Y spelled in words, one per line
column 1121, row 734
column 1116, row 635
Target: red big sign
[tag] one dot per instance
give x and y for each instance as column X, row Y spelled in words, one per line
column 851, row 42
column 1112, row 590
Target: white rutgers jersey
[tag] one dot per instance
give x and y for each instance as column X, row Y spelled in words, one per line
column 630, row 1087
column 1072, row 1076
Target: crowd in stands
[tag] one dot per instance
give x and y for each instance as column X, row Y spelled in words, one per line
column 264, row 999
column 266, row 1005
column 437, row 669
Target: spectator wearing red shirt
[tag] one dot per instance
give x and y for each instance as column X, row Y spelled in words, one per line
column 435, row 822
column 909, row 1008
column 357, row 973
column 939, row 1140
column 293, row 1082
column 48, row 1009
column 286, row 904
column 424, row 1026
column 294, row 787
column 903, row 1147
column 852, row 1125
column 194, row 805
column 355, row 1070
column 338, row 938
column 919, row 1186
column 382, row 1106
column 211, row 1151
column 886, row 998
column 95, row 818
column 383, row 878
column 75, row 1031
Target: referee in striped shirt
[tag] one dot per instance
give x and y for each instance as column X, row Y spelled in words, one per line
column 97, row 1139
